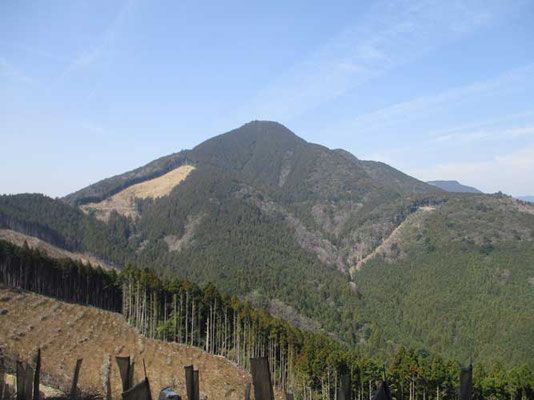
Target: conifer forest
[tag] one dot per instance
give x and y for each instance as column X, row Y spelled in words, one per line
column 308, row 364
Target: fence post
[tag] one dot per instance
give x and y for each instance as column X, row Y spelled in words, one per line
column 261, row 378
column 466, row 383
column 108, row 378
column 189, row 382
column 74, row 387
column 344, row 389
column 247, row 391
column 125, row 370
column 196, row 385
column 21, row 373
column 2, row 376
column 36, row 378
column 28, row 383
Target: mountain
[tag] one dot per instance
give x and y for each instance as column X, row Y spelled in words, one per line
column 526, row 198
column 354, row 248
column 454, row 186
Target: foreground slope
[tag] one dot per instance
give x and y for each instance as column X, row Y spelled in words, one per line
column 66, row 332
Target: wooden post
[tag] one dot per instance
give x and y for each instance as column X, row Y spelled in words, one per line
column 21, row 373
column 125, row 371
column 74, row 387
column 344, row 389
column 37, row 376
column 196, row 385
column 466, row 383
column 247, row 391
column 108, row 379
column 383, row 392
column 28, row 382
column 261, row 378
column 2, row 377
column 141, row 391
column 131, row 375
column 189, row 382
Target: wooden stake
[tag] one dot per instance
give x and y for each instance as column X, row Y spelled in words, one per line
column 36, row 377
column 74, row 387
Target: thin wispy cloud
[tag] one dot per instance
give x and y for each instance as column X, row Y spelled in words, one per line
column 492, row 155
column 10, row 73
column 32, row 50
column 415, row 108
column 494, row 124
column 487, row 134
column 104, row 43
column 472, row 135
column 390, row 34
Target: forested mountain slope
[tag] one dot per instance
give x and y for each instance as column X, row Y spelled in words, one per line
column 464, row 285
column 269, row 217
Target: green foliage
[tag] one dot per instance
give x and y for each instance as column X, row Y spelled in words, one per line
column 308, row 364
column 455, row 300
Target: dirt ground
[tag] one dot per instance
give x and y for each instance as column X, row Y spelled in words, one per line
column 66, row 332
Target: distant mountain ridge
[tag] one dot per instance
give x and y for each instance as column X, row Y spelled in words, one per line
column 454, row 186
column 530, row 199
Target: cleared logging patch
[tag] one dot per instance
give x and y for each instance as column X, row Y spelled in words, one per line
column 124, row 201
column 50, row 250
column 66, row 332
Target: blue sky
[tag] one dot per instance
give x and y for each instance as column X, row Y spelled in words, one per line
column 438, row 89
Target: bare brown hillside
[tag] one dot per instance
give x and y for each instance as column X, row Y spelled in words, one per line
column 50, row 250
column 66, row 332
column 124, row 201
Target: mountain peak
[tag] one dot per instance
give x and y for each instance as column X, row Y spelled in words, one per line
column 254, row 134
column 264, row 124
column 270, row 128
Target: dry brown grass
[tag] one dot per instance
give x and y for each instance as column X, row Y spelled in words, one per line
column 18, row 239
column 124, row 201
column 66, row 332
